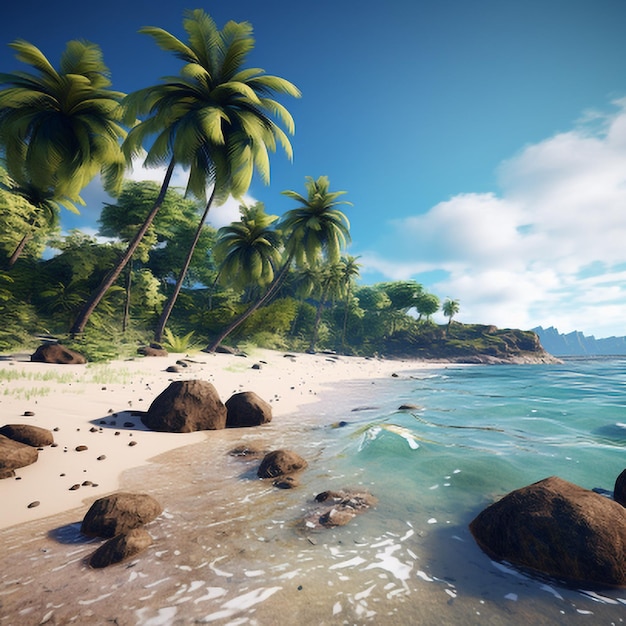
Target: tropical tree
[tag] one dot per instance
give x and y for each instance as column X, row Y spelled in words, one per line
column 58, row 129
column 215, row 118
column 315, row 229
column 450, row 308
column 426, row 304
column 247, row 251
column 350, row 271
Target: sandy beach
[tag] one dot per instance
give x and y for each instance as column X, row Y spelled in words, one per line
column 97, row 405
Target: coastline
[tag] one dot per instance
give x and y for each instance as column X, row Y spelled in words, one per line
column 99, row 406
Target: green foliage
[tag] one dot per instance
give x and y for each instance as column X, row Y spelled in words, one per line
column 101, row 344
column 178, row 343
column 276, row 318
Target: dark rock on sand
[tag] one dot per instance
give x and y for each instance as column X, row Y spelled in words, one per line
column 152, row 350
column 619, row 491
column 280, row 463
column 559, row 529
column 338, row 508
column 186, row 406
column 120, row 548
column 247, row 409
column 56, row 353
column 30, row 435
column 14, row 454
column 118, row 513
column 174, row 369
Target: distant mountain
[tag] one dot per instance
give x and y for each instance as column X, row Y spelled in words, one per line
column 578, row 344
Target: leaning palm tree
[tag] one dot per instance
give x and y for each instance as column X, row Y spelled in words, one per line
column 59, row 128
column 450, row 308
column 215, row 118
column 315, row 228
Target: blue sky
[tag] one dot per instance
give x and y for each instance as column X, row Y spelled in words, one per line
column 482, row 143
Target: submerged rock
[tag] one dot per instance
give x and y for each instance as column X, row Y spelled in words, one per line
column 556, row 528
column 120, row 548
column 338, row 508
column 280, row 463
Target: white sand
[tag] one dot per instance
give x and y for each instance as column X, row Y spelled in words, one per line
column 77, row 398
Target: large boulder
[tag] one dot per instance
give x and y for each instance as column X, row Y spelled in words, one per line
column 619, row 491
column 559, row 529
column 30, row 435
column 247, row 409
column 120, row 548
column 14, row 454
column 118, row 513
column 280, row 463
column 56, row 353
column 186, row 406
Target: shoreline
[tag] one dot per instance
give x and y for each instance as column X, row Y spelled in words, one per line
column 99, row 406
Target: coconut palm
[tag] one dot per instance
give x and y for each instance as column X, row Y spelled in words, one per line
column 248, row 251
column 350, row 272
column 59, row 128
column 215, row 118
column 450, row 308
column 315, row 229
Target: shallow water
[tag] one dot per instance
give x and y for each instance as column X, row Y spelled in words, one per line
column 231, row 549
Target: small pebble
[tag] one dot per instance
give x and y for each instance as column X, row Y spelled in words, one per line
column 132, row 443
column 74, row 487
column 29, row 413
column 81, row 448
column 93, row 429
column 101, row 457
column 32, row 505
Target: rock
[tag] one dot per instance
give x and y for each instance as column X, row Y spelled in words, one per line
column 286, row 482
column 34, row 504
column 409, row 407
column 248, row 451
column 81, row 448
column 30, row 435
column 28, row 413
column 56, row 353
column 247, row 409
column 14, row 454
column 338, row 508
column 256, row 366
column 121, row 547
column 6, row 473
column 186, row 406
column 559, row 529
column 152, row 351
column 280, row 463
column 174, row 369
column 619, row 491
column 118, row 513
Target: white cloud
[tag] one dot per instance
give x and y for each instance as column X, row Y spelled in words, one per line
column 522, row 257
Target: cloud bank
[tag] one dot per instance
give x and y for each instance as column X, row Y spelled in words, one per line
column 548, row 249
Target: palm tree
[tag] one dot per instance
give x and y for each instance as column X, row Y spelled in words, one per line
column 315, row 228
column 215, row 118
column 247, row 251
column 450, row 308
column 350, row 271
column 58, row 129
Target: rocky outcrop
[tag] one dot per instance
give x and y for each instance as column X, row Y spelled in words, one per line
column 559, row 529
column 14, row 454
column 338, row 508
column 280, row 463
column 120, row 548
column 118, row 513
column 186, row 406
column 30, row 435
column 247, row 409
column 56, row 353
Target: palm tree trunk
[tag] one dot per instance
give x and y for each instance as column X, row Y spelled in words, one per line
column 345, row 318
column 318, row 319
column 129, row 280
column 167, row 309
column 19, row 249
column 271, row 291
column 89, row 306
